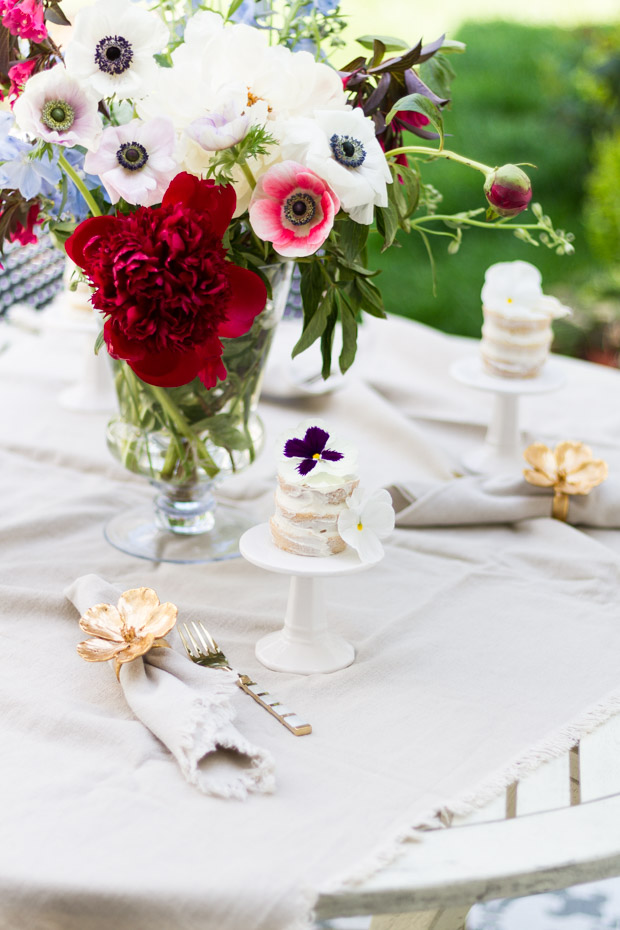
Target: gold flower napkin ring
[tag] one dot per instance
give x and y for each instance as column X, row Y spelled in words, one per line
column 569, row 469
column 127, row 631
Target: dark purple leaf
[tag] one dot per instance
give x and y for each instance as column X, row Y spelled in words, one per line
column 400, row 63
column 415, row 85
column 378, row 95
column 429, row 50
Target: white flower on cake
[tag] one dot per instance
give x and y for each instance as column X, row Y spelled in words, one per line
column 312, row 456
column 341, row 147
column 112, row 48
column 514, row 289
column 368, row 519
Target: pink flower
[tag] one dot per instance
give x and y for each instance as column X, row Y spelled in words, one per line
column 294, row 208
column 18, row 75
column 24, row 18
column 135, row 161
column 25, row 235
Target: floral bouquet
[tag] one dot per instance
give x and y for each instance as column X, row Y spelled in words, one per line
column 188, row 155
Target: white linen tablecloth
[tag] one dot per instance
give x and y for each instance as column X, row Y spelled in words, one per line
column 480, row 651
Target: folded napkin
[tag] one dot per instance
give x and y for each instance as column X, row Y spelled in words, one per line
column 188, row 708
column 483, row 499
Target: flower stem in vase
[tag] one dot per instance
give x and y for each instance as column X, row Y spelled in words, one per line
column 179, row 422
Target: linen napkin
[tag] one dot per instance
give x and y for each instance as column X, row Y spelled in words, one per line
column 188, row 708
column 497, row 499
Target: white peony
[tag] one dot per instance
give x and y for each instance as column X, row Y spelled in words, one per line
column 341, row 147
column 112, row 48
column 222, row 69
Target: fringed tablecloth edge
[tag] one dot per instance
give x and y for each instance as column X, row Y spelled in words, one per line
column 553, row 746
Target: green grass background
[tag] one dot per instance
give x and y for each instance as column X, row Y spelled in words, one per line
column 514, row 100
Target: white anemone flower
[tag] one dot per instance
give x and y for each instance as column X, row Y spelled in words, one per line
column 515, row 289
column 341, row 147
column 367, row 520
column 135, row 161
column 56, row 108
column 112, row 48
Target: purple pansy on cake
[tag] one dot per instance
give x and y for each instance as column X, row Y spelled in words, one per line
column 317, row 473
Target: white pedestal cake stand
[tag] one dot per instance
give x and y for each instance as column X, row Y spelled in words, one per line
column 304, row 645
column 503, row 445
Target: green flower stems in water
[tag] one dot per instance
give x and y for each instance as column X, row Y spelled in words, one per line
column 184, row 429
column 79, row 183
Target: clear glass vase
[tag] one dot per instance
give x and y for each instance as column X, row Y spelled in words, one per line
column 187, row 440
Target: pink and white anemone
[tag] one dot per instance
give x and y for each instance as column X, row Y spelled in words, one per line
column 293, row 208
column 55, row 107
column 135, row 161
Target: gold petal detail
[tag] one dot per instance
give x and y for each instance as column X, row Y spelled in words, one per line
column 572, row 455
column 538, row 478
column 136, row 649
column 98, row 650
column 162, row 619
column 104, row 621
column 136, row 606
column 588, row 476
column 542, row 459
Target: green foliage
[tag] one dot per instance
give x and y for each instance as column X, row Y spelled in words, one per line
column 513, row 102
column 256, row 142
column 602, row 206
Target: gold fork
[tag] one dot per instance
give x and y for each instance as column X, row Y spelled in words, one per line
column 203, row 650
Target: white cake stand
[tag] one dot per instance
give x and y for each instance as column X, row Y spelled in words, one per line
column 503, row 445
column 304, row 645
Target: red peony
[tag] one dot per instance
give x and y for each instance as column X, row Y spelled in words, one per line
column 162, row 280
column 508, row 190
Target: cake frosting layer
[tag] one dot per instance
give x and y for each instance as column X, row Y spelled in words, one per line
column 305, row 521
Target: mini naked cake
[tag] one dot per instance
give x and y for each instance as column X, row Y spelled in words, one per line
column 516, row 333
column 316, row 477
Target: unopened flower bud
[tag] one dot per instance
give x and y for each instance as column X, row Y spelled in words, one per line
column 508, row 190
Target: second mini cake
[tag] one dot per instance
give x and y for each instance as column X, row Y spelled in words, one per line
column 516, row 333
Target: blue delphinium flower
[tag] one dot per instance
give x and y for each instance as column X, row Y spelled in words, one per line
column 251, row 12
column 319, row 6
column 26, row 174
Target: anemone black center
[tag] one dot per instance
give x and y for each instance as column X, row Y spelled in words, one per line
column 299, row 208
column 113, row 55
column 132, row 156
column 347, row 151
